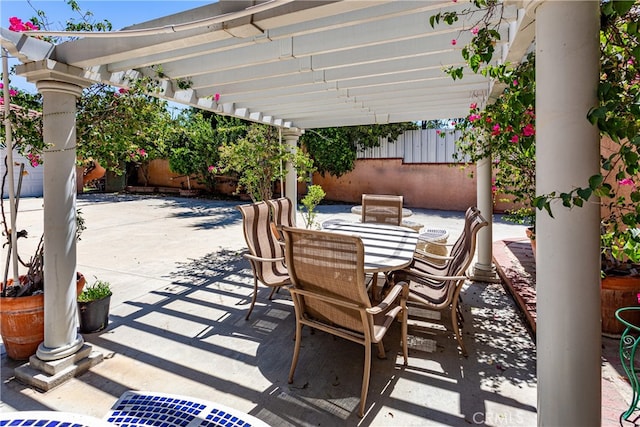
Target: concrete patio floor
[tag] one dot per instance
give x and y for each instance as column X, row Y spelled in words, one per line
column 181, row 291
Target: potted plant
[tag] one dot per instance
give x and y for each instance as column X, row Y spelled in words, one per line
column 314, row 196
column 93, row 307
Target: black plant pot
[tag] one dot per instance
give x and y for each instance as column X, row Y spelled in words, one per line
column 94, row 315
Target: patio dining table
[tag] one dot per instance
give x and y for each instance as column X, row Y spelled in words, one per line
column 386, row 247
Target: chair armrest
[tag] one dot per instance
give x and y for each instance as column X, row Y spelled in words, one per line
column 392, row 295
column 260, row 259
column 432, row 277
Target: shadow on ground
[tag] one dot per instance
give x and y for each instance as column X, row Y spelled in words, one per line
column 191, row 337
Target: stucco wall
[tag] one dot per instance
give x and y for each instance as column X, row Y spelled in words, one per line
column 430, row 186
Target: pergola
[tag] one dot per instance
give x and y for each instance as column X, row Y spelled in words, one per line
column 311, row 64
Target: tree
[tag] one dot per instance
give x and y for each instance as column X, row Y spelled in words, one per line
column 334, row 150
column 260, row 160
column 617, row 117
column 505, row 130
column 195, row 150
column 124, row 125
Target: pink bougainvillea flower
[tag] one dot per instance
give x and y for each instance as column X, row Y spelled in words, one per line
column 530, row 112
column 123, row 90
column 34, row 159
column 515, row 82
column 216, row 97
column 142, row 152
column 626, row 181
column 488, row 120
column 495, row 130
column 528, row 130
column 438, row 131
column 15, row 24
column 454, row 42
column 473, row 117
column 1, row 85
column 473, row 105
column 13, row 92
column 453, row 123
column 474, row 31
column 515, row 139
column 29, row 26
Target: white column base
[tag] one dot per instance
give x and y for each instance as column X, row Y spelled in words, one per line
column 484, row 273
column 46, row 353
column 45, row 375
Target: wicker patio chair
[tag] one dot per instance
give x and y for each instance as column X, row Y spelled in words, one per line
column 436, row 260
column 438, row 287
column 329, row 294
column 265, row 255
column 283, row 214
column 382, row 208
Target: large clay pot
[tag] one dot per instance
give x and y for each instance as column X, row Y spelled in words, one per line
column 22, row 323
column 617, row 292
column 96, row 173
column 532, row 238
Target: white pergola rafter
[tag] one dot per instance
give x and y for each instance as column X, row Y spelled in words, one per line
column 308, row 53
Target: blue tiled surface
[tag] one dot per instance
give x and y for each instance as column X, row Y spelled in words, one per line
column 31, row 422
column 155, row 409
column 49, row 419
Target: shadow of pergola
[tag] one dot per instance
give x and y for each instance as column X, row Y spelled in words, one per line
column 190, row 337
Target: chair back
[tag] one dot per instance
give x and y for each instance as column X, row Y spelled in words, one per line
column 464, row 248
column 282, row 211
column 382, row 208
column 261, row 242
column 328, row 269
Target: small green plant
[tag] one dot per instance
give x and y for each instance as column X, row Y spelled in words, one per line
column 100, row 289
column 314, row 196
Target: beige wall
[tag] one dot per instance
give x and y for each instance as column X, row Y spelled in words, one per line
column 428, row 186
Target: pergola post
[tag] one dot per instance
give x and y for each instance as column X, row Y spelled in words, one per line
column 61, row 337
column 291, row 137
column 568, row 256
column 484, row 270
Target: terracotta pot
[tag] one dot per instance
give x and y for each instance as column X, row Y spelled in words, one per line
column 532, row 238
column 617, row 292
column 96, row 173
column 22, row 323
